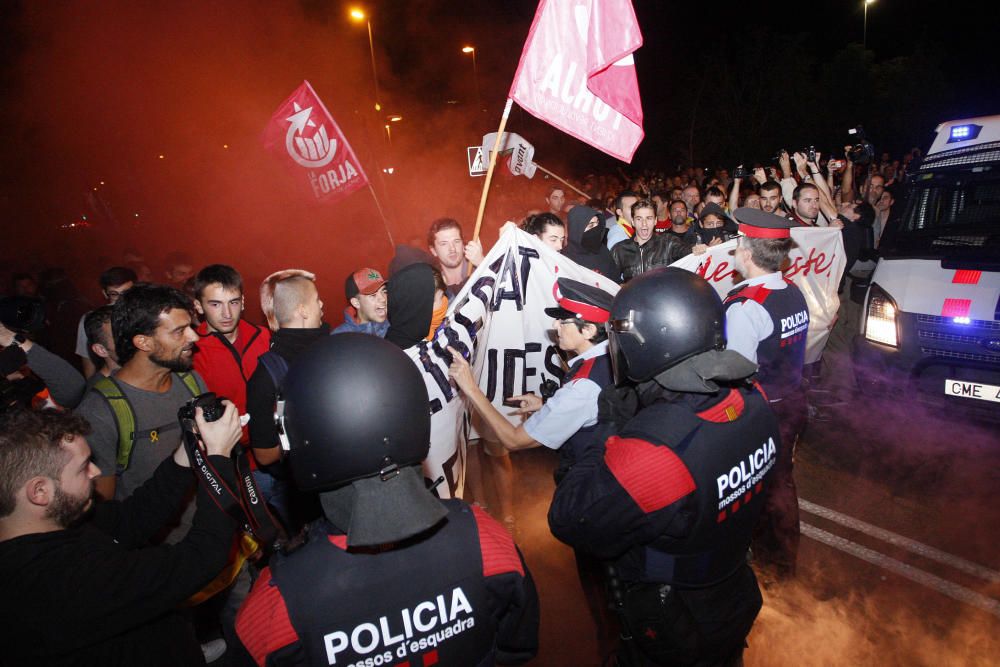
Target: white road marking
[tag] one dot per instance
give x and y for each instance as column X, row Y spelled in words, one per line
column 895, row 539
column 943, row 586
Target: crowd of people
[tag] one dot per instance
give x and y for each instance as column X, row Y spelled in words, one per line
column 116, row 556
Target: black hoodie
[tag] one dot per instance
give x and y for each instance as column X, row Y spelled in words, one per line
column 591, row 252
column 411, row 305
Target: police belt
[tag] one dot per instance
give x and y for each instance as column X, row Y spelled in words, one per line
column 245, row 505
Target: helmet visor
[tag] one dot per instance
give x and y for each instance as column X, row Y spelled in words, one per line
column 617, row 328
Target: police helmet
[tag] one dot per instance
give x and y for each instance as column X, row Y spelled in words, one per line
column 354, row 406
column 661, row 318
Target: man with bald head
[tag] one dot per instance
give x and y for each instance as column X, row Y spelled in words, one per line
column 294, row 312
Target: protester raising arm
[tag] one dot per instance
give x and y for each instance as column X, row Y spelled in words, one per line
column 65, row 384
column 847, row 183
column 826, row 204
column 734, row 194
column 788, row 182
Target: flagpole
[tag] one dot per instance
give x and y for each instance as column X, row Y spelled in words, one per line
column 385, row 223
column 489, row 170
column 562, row 180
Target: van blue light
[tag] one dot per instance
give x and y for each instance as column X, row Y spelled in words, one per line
column 961, row 320
column 964, row 133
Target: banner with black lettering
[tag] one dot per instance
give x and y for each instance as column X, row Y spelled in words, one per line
column 815, row 264
column 500, row 316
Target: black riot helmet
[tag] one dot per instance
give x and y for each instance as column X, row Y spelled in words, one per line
column 354, row 406
column 661, row 318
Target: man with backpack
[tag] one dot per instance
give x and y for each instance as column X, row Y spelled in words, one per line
column 133, row 415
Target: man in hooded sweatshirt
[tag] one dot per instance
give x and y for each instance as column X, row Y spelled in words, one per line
column 585, row 242
column 411, row 305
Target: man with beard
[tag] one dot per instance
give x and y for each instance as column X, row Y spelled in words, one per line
column 154, row 340
column 456, row 258
column 87, row 592
column 770, row 197
column 680, row 223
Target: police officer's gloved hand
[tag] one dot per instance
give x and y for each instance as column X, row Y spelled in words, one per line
column 617, row 405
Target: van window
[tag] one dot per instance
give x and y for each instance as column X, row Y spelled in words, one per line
column 959, row 205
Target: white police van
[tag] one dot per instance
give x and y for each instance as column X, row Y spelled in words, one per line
column 930, row 325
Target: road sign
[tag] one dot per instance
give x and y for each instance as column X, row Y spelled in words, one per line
column 477, row 165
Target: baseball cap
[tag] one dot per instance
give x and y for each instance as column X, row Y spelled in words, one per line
column 363, row 281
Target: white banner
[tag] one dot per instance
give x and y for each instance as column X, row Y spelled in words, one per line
column 816, row 263
column 500, row 316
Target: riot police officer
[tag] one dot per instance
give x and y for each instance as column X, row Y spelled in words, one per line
column 767, row 321
column 391, row 574
column 671, row 499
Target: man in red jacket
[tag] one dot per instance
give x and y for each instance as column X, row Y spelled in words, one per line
column 228, row 346
column 226, row 357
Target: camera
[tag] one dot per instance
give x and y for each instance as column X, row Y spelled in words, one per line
column 862, row 152
column 22, row 314
column 210, row 404
column 811, row 154
column 740, row 172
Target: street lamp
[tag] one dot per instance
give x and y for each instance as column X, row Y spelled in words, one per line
column 475, row 73
column 358, row 15
column 864, row 34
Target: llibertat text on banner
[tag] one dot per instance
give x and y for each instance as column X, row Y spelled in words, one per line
column 498, row 319
column 304, row 136
column 816, row 263
column 577, row 73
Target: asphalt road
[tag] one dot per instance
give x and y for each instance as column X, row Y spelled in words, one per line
column 898, row 564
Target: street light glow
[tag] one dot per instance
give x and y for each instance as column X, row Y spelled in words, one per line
column 470, row 49
column 357, row 14
column 868, row 2
column 395, row 118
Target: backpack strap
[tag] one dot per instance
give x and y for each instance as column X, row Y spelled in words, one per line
column 191, row 382
column 276, row 366
column 124, row 415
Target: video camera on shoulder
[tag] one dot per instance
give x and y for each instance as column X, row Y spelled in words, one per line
column 862, row 152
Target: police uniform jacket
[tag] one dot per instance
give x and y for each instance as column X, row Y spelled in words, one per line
column 572, row 410
column 767, row 321
column 459, row 594
column 674, row 496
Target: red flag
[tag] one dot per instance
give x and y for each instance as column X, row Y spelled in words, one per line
column 577, row 73
column 304, row 135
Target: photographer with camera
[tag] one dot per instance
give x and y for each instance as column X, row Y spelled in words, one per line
column 133, row 415
column 81, row 586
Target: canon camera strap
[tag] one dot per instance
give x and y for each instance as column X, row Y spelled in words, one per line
column 245, row 504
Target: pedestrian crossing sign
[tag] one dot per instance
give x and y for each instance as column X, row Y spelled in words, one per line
column 477, row 165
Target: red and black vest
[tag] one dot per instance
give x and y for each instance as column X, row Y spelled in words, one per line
column 725, row 468
column 597, row 370
column 782, row 354
column 423, row 602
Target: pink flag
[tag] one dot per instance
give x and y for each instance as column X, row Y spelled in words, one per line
column 577, row 73
column 304, row 135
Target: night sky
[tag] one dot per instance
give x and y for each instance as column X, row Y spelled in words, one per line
column 98, row 90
